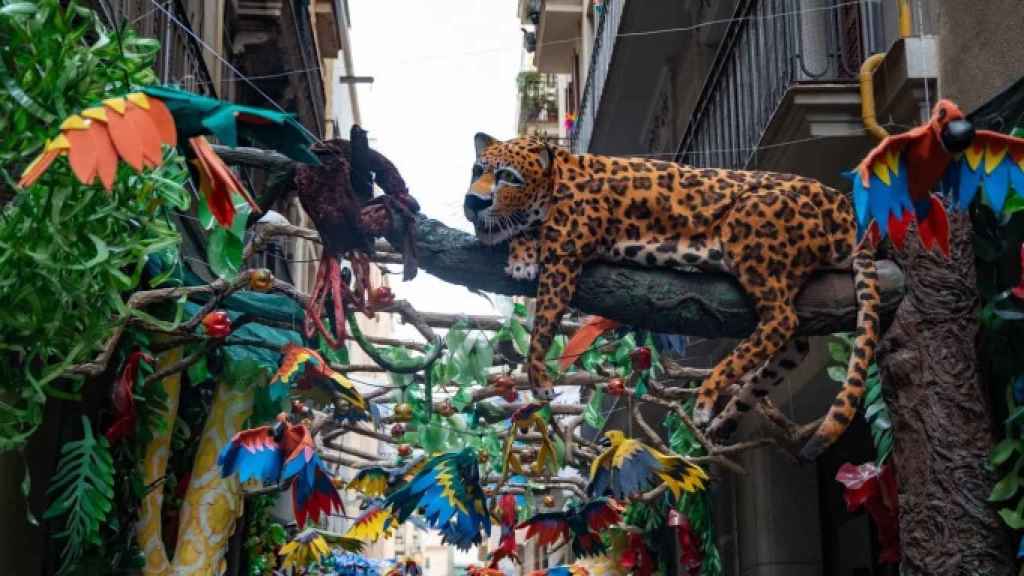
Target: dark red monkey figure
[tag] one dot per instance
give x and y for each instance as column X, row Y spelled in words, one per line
column 338, row 196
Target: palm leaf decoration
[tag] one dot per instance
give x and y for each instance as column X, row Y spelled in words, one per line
column 82, row 491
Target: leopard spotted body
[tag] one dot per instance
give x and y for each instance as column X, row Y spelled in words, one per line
column 771, row 231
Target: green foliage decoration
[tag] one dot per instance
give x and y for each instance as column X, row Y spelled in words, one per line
column 263, row 536
column 876, row 411
column 68, row 252
column 82, row 492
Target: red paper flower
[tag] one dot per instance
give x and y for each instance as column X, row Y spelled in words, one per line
column 875, row 490
column 122, row 399
column 636, row 558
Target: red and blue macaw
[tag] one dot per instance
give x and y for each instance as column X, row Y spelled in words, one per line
column 448, row 490
column 581, row 525
column 283, row 454
column 893, row 185
column 507, row 517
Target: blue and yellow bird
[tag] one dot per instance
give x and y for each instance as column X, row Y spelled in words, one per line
column 448, row 490
column 283, row 454
column 629, row 467
column 378, row 481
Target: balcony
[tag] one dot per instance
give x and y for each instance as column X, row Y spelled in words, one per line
column 182, row 60
column 605, row 36
column 782, row 93
column 557, row 29
column 538, row 104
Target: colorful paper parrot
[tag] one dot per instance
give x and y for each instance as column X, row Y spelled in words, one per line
column 477, row 570
column 448, row 489
column 893, row 185
column 523, row 419
column 377, row 481
column 592, row 328
column 375, row 522
column 562, row 570
column 407, row 567
column 350, row 564
column 580, row 525
column 312, row 545
column 629, row 467
column 134, row 127
column 507, row 517
column 283, row 454
column 307, row 371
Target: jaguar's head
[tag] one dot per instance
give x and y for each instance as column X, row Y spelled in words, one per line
column 511, row 187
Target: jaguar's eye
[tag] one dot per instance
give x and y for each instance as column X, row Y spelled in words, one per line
column 478, row 171
column 509, row 177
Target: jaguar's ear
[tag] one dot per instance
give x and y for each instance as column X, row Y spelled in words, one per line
column 482, row 141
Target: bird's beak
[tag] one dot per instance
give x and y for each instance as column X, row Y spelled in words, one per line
column 278, row 430
column 957, row 136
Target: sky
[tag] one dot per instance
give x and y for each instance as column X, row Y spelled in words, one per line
column 442, row 72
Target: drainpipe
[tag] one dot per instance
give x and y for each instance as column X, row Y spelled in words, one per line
column 906, row 21
column 867, row 94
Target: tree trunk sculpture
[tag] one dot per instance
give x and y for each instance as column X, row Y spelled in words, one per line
column 941, row 416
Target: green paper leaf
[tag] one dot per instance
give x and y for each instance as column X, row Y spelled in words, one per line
column 1015, row 203
column 224, row 253
column 838, row 351
column 1005, row 488
column 1012, row 519
column 1002, row 452
column 837, row 373
column 462, row 399
column 520, row 337
column 592, row 414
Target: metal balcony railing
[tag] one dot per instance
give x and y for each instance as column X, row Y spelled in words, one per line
column 772, row 46
column 597, row 74
column 180, row 61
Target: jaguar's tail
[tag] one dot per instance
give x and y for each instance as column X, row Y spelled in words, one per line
column 844, row 408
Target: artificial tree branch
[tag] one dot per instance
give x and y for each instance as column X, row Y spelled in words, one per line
column 653, row 436
column 265, row 231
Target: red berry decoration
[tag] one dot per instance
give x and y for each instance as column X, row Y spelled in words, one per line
column 217, row 324
column 446, row 409
column 615, row 387
column 404, row 450
column 381, row 298
column 397, row 431
column 641, row 358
